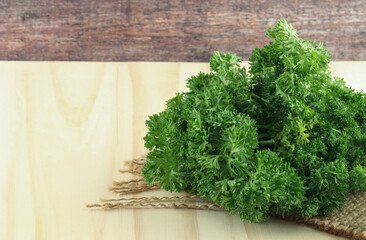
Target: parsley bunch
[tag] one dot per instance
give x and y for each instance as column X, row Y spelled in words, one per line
column 286, row 137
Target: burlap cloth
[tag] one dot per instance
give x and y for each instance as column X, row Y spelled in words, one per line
column 350, row 221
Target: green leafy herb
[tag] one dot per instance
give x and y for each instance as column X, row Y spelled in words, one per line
column 286, row 137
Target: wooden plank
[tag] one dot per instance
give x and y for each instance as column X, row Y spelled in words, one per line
column 171, row 30
column 65, row 130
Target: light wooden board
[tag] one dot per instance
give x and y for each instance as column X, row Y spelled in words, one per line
column 65, row 130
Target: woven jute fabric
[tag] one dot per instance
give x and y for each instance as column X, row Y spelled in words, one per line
column 350, row 221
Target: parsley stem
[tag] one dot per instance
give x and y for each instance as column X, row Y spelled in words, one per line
column 259, row 98
column 263, row 143
column 263, row 135
column 267, row 126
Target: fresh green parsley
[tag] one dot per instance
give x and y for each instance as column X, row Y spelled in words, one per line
column 285, row 137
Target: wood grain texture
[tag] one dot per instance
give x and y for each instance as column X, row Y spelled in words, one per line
column 171, row 30
column 65, row 130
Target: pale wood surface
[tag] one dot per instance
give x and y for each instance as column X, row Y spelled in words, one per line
column 65, row 130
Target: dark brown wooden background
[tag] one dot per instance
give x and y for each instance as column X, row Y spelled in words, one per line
column 175, row 30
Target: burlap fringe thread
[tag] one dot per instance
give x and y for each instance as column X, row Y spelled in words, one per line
column 348, row 222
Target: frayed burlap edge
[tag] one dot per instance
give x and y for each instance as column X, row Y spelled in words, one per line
column 349, row 222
